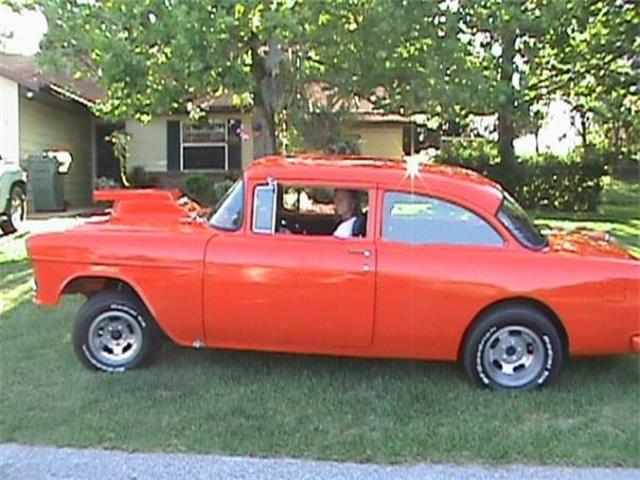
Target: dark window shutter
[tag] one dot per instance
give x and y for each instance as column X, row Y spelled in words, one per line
column 235, row 144
column 173, row 145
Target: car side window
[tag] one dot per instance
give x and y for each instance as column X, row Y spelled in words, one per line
column 423, row 220
column 264, row 208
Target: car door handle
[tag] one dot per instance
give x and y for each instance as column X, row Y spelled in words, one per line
column 360, row 251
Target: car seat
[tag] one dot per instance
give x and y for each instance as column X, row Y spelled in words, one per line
column 360, row 226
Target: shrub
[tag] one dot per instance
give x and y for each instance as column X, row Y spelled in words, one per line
column 567, row 184
column 139, row 178
column 545, row 181
column 626, row 169
column 206, row 189
column 105, row 183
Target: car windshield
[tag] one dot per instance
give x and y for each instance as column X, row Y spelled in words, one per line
column 230, row 210
column 519, row 224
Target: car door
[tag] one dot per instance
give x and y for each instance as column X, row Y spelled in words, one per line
column 276, row 291
column 435, row 261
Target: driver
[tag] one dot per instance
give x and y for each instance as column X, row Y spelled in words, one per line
column 347, row 204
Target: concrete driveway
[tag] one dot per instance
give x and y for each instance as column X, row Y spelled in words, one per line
column 35, row 463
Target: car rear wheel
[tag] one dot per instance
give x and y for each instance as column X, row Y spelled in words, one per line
column 114, row 332
column 513, row 348
column 16, row 210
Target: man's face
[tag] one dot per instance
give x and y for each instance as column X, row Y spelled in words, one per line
column 344, row 203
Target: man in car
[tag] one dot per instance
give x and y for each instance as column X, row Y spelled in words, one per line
column 347, row 204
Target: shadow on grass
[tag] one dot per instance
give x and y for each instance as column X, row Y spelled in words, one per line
column 15, row 286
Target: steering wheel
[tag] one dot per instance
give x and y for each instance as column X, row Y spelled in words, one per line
column 293, row 227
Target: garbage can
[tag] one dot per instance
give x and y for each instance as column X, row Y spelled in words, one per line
column 47, row 184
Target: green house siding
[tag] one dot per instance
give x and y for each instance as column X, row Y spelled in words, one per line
column 48, row 123
column 156, row 146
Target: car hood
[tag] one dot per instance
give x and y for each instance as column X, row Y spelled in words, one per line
column 585, row 242
column 7, row 168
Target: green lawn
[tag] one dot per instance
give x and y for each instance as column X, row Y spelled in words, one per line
column 619, row 214
column 302, row 406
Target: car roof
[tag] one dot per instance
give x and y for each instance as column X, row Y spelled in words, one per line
column 455, row 183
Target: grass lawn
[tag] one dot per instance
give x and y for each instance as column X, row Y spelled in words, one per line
column 619, row 214
column 317, row 407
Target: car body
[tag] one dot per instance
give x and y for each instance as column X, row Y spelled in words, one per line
column 13, row 196
column 381, row 295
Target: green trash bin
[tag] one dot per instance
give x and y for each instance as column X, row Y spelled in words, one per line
column 47, row 184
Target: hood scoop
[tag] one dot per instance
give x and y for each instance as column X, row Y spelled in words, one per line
column 148, row 206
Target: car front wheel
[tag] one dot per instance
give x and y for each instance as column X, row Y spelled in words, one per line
column 114, row 332
column 16, row 209
column 513, row 348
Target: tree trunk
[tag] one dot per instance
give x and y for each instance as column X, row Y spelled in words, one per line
column 537, row 137
column 264, row 115
column 506, row 109
column 265, row 141
column 584, row 131
column 617, row 141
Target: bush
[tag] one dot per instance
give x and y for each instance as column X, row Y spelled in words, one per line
column 568, row 184
column 545, row 181
column 139, row 178
column 206, row 189
column 627, row 169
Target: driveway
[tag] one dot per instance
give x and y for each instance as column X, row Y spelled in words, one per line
column 35, row 463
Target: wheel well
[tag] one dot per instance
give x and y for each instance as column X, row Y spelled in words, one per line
column 21, row 184
column 90, row 285
column 529, row 302
column 5, row 208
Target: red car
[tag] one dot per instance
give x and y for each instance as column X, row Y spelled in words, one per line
column 344, row 256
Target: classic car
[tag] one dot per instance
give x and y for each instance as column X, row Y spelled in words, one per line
column 13, row 196
column 440, row 264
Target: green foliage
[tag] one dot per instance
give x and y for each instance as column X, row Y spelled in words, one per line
column 443, row 59
column 206, row 189
column 140, row 178
column 321, row 131
column 566, row 184
column 153, row 57
column 626, row 169
column 592, row 62
column 542, row 182
column 119, row 140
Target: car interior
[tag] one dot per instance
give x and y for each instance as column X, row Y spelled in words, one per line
column 309, row 210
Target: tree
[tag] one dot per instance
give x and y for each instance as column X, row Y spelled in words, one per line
column 592, row 62
column 403, row 55
column 153, row 57
column 506, row 37
column 449, row 60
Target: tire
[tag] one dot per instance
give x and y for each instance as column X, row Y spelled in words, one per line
column 16, row 209
column 514, row 347
column 114, row 332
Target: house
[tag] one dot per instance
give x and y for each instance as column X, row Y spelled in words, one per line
column 40, row 112
column 172, row 146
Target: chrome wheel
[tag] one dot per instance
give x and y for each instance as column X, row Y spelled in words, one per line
column 115, row 338
column 17, row 208
column 513, row 356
